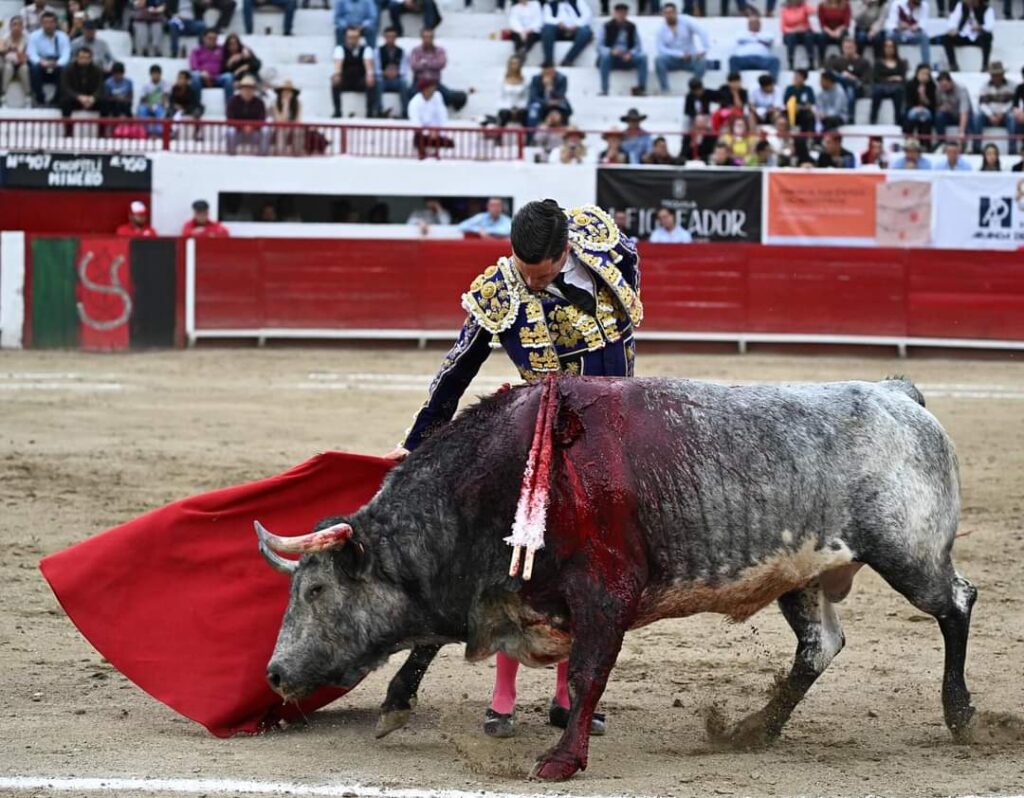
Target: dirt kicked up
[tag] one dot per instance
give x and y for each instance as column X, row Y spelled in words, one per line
column 89, row 441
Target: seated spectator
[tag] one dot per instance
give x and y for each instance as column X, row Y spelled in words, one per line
column 287, row 111
column 49, row 53
column 699, row 141
column 427, row 62
column 525, row 19
column 184, row 101
column 566, row 21
column 698, row 100
column 869, row 20
column 919, row 117
column 427, row 110
column 33, row 12
column 795, row 24
column 888, row 81
column 201, row 225
column 990, row 159
column 431, row 15
column 753, row 50
column 74, row 20
column 835, row 19
column 953, row 107
column 970, row 25
column 912, row 158
column 513, row 94
column 248, row 116
column 548, row 92
column 288, row 6
column 353, row 71
column 14, row 64
column 620, row 48
column 207, row 65
column 954, row 160
column 225, row 12
column 875, row 154
column 906, row 25
column 740, row 140
column 833, row 155
column 391, row 69
column 1017, row 109
column 733, row 101
column 659, row 154
column 853, row 73
column 800, row 102
column 613, row 153
column 764, row 156
column 832, row 104
column 721, row 156
column 137, row 225
column 101, row 55
column 361, row 15
column 572, row 150
column 995, row 105
column 548, row 136
column 239, row 60
column 492, row 223
column 668, row 230
column 636, row 142
column 148, row 18
column 432, row 213
column 81, row 86
column 153, row 100
column 182, row 21
column 682, row 45
column 118, row 94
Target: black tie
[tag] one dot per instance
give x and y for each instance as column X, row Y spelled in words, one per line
column 579, row 297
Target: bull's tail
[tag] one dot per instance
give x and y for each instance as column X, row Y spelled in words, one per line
column 898, row 382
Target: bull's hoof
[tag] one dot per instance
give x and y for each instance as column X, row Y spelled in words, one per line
column 557, row 766
column 963, row 726
column 390, row 721
column 752, row 733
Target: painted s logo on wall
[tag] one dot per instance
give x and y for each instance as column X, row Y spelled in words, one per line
column 115, row 287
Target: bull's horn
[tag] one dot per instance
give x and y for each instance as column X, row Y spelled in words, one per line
column 275, row 560
column 321, row 540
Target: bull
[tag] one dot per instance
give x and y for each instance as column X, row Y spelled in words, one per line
column 667, row 498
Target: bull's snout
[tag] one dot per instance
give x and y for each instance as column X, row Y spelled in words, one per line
column 276, row 678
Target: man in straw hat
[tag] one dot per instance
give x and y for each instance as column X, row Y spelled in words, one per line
column 248, row 116
column 995, row 106
column 636, row 141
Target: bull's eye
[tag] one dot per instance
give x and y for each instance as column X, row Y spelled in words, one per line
column 314, row 592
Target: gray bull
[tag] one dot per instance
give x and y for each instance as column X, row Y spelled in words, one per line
column 668, row 498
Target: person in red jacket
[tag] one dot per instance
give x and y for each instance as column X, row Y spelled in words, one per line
column 201, row 225
column 136, row 226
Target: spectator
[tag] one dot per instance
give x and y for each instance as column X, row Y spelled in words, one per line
column 699, row 141
column 182, row 22
column 733, row 101
column 795, row 24
column 721, row 156
column 362, row 15
column 492, row 223
column 431, row 15
column 184, row 102
column 525, row 20
column 906, row 25
column 548, row 136
column 698, row 100
column 875, row 154
column 547, row 92
column 286, row 112
column 911, row 158
column 288, row 6
column 81, row 86
column 427, row 110
column 832, row 104
column 869, row 25
column 621, row 48
column 954, row 161
column 566, row 20
column 740, row 141
column 74, row 21
column 753, row 50
column 766, row 100
column 49, row 52
column 919, row 117
column 682, row 44
column 391, row 69
column 118, row 93
column 239, row 60
column 432, row 213
column 101, row 55
column 853, row 73
column 137, row 225
column 636, row 141
column 659, row 154
column 201, row 225
column 207, row 64
column 1019, row 166
column 353, row 71
column 225, row 12
column 764, row 156
column 428, row 61
column 573, row 150
column 995, row 105
column 14, row 63
column 248, row 116
column 613, row 153
column 833, row 155
column 789, row 151
column 33, row 15
column 148, row 18
column 668, row 230
column 888, row 82
column 622, row 221
column 970, row 25
column 153, row 100
column 835, row 19
column 990, row 159
column 952, row 107
column 1017, row 109
column 799, row 100
column 513, row 94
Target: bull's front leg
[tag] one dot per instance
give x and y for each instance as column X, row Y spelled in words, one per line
column 401, row 696
column 600, row 617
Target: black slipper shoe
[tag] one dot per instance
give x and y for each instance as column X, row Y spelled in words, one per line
column 498, row 725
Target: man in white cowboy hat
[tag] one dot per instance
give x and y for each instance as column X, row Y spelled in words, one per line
column 636, row 141
column 248, row 115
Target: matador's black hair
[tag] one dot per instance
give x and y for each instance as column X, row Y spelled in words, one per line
column 539, row 231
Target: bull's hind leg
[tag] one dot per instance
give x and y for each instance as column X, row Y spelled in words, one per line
column 819, row 638
column 401, row 697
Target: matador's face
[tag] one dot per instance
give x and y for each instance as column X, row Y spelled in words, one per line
column 538, row 276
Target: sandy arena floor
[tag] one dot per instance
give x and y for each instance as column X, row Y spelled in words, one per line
column 78, row 454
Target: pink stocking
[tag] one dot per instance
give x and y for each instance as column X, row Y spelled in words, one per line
column 503, row 700
column 562, row 685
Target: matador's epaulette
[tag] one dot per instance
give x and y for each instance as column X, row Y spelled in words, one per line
column 493, row 297
column 592, row 229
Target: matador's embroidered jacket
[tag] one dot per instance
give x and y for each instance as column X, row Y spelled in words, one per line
column 541, row 331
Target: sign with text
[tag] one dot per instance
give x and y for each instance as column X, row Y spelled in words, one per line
column 67, row 171
column 981, row 212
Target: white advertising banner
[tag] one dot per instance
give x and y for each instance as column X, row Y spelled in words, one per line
column 984, row 211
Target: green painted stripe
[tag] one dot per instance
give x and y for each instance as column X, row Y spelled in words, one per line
column 55, row 321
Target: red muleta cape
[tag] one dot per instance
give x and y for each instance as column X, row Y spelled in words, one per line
column 182, row 603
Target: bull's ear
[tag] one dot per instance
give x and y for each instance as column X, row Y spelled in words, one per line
column 353, row 559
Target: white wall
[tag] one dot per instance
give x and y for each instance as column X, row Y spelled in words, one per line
column 180, row 179
column 12, row 289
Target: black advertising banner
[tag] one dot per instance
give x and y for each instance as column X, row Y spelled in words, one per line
column 68, row 171
column 713, row 204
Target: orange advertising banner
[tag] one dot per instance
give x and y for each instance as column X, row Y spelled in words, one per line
column 822, row 204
